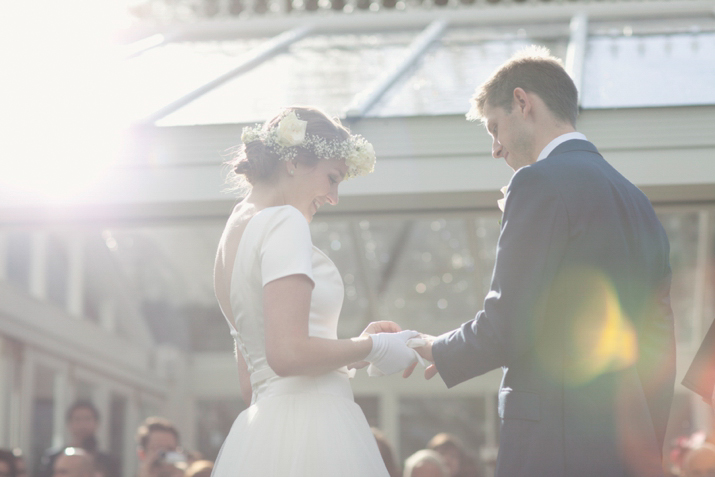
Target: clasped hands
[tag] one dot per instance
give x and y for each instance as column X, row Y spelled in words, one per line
column 395, row 350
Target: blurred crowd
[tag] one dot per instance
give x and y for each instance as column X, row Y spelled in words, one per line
column 160, row 454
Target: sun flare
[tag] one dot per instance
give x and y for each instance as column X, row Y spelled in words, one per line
column 58, row 117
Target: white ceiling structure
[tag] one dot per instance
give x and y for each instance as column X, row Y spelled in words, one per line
column 402, row 78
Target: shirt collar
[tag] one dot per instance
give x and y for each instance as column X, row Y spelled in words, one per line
column 561, row 139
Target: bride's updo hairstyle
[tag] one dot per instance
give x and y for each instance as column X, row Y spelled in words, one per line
column 256, row 161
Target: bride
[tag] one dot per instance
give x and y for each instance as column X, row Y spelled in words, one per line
column 282, row 298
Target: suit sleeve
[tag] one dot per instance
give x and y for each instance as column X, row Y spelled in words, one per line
column 656, row 361
column 532, row 243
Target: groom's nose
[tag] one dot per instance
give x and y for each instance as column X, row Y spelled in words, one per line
column 497, row 149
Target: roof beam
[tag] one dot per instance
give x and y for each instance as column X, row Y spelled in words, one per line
column 145, row 44
column 506, row 14
column 364, row 100
column 250, row 61
column 576, row 51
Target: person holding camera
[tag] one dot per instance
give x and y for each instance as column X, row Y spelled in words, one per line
column 75, row 462
column 82, row 420
column 159, row 452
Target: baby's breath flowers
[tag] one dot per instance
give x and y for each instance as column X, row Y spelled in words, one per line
column 284, row 140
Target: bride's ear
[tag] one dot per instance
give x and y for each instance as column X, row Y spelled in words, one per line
column 291, row 167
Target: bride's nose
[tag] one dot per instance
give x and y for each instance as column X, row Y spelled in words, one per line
column 333, row 197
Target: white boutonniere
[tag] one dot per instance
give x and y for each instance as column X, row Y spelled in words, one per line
column 291, row 130
column 501, row 202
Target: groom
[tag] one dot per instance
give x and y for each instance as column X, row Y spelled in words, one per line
column 578, row 314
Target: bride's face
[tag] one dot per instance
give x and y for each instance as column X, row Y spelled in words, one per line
column 310, row 187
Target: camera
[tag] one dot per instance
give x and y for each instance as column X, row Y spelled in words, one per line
column 171, row 458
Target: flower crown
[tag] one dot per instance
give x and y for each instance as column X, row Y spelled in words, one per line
column 284, row 140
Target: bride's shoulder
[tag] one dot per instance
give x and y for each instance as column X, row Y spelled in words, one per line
column 262, row 221
column 281, row 217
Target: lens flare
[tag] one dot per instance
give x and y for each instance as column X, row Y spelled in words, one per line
column 598, row 336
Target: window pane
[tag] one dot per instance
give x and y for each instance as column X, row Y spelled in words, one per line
column 682, row 230
column 649, row 70
column 214, row 419
column 337, row 238
column 57, row 270
column 18, row 259
column 117, row 426
column 370, row 406
column 325, row 70
column 84, row 390
column 43, row 412
column 421, row 418
column 161, row 75
column 446, row 76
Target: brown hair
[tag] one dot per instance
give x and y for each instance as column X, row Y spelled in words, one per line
column 7, row 456
column 81, row 404
column 154, row 424
column 444, row 440
column 254, row 162
column 536, row 71
column 386, row 452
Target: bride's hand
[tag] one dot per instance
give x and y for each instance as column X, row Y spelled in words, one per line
column 390, row 353
column 373, row 328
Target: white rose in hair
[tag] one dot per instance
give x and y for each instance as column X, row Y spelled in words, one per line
column 291, row 130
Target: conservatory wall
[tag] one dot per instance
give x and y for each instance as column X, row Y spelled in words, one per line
column 107, row 294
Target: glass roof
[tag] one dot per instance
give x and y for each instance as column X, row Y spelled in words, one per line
column 161, row 75
column 627, row 64
column 649, row 70
column 447, row 75
column 325, row 70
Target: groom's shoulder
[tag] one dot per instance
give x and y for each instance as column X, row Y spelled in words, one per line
column 541, row 171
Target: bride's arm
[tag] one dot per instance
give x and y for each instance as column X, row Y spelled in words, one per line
column 289, row 348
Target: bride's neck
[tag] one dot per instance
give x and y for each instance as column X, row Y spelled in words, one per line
column 265, row 195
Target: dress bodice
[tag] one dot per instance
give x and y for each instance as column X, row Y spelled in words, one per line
column 276, row 243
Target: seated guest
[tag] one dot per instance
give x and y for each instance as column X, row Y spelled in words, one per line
column 82, row 420
column 74, row 462
column 199, row 468
column 388, row 455
column 455, row 455
column 425, row 463
column 7, row 464
column 699, row 462
column 159, row 452
column 20, row 466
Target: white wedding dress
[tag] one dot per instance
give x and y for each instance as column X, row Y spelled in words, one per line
column 299, row 426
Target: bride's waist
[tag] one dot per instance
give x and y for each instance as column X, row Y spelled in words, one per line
column 335, row 383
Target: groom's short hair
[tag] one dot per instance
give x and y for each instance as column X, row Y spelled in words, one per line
column 534, row 70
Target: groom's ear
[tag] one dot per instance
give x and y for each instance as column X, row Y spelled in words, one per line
column 522, row 102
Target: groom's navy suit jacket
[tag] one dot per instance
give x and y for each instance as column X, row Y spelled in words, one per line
column 578, row 316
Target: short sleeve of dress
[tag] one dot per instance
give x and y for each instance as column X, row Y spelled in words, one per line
column 287, row 248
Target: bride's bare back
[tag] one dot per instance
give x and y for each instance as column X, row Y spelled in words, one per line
column 223, row 271
column 226, row 254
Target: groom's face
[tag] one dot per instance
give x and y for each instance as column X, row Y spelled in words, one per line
column 510, row 136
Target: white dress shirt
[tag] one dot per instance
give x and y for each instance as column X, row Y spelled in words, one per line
column 563, row 138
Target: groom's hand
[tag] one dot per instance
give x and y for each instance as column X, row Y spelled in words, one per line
column 426, row 352
column 381, row 327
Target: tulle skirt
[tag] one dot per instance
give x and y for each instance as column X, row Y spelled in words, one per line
column 301, row 426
